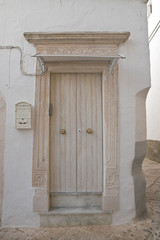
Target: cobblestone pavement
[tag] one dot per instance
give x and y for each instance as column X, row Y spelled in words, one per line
column 147, row 228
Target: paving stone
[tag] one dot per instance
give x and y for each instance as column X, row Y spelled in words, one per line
column 146, row 228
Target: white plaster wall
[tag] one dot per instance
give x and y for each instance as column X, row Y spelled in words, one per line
column 17, row 17
column 153, row 99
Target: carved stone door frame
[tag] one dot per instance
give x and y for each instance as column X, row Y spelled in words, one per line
column 81, row 44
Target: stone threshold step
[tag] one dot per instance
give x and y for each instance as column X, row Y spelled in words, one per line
column 61, row 217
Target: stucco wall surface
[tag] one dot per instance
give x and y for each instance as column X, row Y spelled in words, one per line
column 17, row 17
column 153, row 99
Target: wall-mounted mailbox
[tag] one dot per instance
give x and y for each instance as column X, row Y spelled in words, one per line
column 23, row 115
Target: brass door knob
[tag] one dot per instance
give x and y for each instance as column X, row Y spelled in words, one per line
column 89, row 130
column 62, row 131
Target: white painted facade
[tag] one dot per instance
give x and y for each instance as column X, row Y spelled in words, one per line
column 17, row 17
column 153, row 109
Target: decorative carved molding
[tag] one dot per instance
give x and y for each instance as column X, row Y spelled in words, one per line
column 77, row 38
column 41, row 124
column 111, row 141
column 112, row 178
column 89, row 51
column 39, row 179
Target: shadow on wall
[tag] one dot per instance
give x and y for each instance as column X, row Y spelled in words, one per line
column 2, row 138
column 140, row 152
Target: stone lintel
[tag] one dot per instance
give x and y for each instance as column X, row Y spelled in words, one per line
column 38, row 38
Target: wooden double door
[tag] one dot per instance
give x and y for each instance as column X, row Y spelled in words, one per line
column 76, row 133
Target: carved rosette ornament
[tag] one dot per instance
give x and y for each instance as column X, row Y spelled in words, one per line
column 78, row 44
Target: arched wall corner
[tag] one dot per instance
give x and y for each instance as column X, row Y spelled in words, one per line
column 140, row 151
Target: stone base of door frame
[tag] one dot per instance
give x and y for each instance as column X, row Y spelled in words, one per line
column 61, row 217
column 110, row 203
column 41, row 203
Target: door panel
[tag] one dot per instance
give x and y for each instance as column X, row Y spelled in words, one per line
column 89, row 146
column 63, row 146
column 76, row 156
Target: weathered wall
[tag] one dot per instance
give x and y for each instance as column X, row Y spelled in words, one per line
column 153, row 99
column 2, row 145
column 18, row 17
